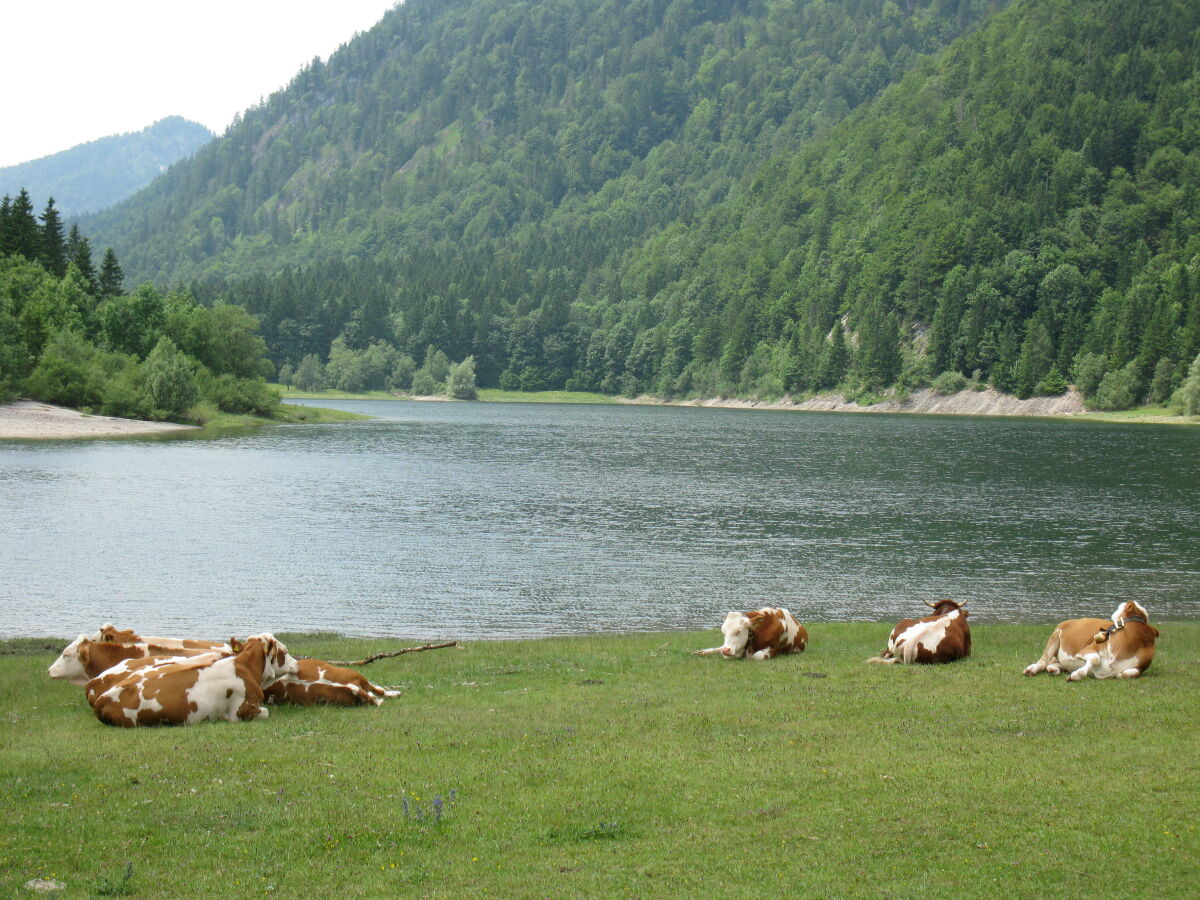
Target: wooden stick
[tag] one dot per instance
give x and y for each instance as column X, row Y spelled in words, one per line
column 371, row 659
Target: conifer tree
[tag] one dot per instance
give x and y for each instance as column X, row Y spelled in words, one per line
column 22, row 234
column 5, row 208
column 112, row 278
column 79, row 252
column 53, row 245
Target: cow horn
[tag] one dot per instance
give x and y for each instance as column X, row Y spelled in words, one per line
column 930, row 605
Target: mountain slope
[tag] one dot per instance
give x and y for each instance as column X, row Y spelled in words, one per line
column 578, row 192
column 460, row 119
column 470, row 149
column 92, row 176
column 1026, row 205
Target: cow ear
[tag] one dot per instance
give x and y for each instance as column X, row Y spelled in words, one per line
column 84, row 653
column 235, row 645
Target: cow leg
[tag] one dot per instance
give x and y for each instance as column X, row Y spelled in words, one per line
column 764, row 653
column 1089, row 662
column 709, row 651
column 1131, row 672
column 1048, row 662
column 248, row 711
column 886, row 658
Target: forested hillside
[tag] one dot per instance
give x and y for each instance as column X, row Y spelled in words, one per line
column 69, row 333
column 710, row 198
column 95, row 175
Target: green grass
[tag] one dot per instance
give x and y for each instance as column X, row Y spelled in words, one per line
column 316, row 415
column 290, row 393
column 495, row 395
column 1143, row 415
column 622, row 766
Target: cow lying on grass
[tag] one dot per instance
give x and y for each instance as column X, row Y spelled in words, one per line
column 760, row 634
column 942, row 637
column 184, row 690
column 108, row 655
column 1120, row 648
column 89, row 655
column 316, row 681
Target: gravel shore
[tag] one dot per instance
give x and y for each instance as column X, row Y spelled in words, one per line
column 32, row 419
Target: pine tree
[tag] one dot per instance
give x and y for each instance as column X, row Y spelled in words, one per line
column 53, row 246
column 79, row 252
column 22, row 234
column 5, row 210
column 112, row 278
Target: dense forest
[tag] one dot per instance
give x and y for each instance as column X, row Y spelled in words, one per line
column 690, row 198
column 92, row 176
column 70, row 334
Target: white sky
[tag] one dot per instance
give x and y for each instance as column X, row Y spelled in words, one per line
column 72, row 71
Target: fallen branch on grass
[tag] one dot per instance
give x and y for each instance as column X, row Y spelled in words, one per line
column 371, row 659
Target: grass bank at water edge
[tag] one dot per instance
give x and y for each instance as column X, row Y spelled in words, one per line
column 624, row 766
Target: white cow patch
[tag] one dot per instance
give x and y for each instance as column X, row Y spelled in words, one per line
column 218, row 692
column 927, row 635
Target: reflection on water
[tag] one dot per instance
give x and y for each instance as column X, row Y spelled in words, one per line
column 488, row 520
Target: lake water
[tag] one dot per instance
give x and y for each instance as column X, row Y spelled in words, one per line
column 472, row 520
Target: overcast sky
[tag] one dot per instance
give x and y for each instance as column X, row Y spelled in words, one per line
column 72, row 71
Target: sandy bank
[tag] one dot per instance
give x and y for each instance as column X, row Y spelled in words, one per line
column 31, row 419
column 965, row 403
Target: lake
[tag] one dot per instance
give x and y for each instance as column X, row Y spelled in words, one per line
column 497, row 520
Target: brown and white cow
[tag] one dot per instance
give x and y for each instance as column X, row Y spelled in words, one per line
column 90, row 654
column 193, row 689
column 114, row 675
column 316, row 681
column 760, row 634
column 942, row 637
column 1122, row 647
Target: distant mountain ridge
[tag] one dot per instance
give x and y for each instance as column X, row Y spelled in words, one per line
column 93, row 176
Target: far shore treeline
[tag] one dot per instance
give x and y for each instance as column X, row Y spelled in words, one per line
column 69, row 334
column 694, row 199
column 685, row 199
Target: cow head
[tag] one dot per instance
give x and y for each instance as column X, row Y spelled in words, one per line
column 108, row 633
column 941, row 607
column 277, row 662
column 69, row 666
column 1130, row 608
column 737, row 629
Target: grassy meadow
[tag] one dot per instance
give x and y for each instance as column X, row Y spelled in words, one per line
column 624, row 766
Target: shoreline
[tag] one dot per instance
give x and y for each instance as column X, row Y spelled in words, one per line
column 988, row 402
column 33, row 644
column 34, row 420
column 925, row 401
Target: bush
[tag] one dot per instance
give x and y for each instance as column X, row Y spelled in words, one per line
column 121, row 393
column 402, row 373
column 169, row 380
column 1090, row 369
column 1187, row 398
column 310, row 374
column 1161, row 383
column 461, row 383
column 949, row 383
column 1052, row 384
column 1119, row 389
column 423, row 384
column 14, row 360
column 241, row 395
column 62, row 375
